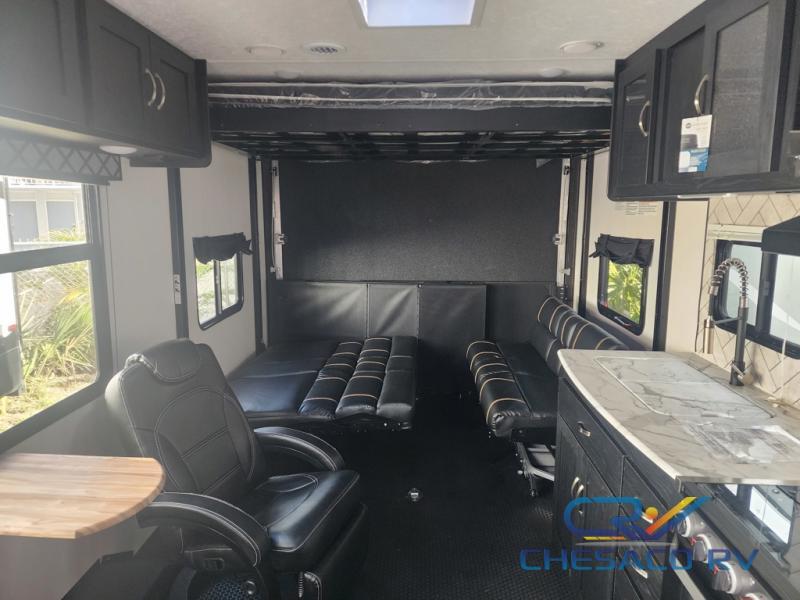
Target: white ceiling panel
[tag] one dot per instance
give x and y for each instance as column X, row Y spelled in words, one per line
column 509, row 39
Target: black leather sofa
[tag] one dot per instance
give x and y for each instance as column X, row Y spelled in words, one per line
column 325, row 385
column 518, row 382
column 274, row 504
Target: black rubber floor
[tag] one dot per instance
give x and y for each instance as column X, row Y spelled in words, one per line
column 463, row 538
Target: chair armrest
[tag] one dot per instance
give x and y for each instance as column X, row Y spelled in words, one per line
column 245, row 535
column 313, row 450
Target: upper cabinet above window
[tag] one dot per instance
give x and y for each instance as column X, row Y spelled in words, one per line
column 725, row 102
column 81, row 69
column 40, row 71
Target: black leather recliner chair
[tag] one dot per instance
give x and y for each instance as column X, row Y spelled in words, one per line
column 232, row 512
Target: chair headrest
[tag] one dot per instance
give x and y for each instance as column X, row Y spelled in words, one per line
column 171, row 362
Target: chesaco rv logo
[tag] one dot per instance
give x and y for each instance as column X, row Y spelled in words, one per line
column 623, row 542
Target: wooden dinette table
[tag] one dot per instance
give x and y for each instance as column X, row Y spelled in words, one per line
column 69, row 496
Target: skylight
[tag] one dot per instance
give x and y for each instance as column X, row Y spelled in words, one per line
column 417, row 13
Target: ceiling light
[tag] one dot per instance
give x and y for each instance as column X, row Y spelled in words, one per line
column 118, row 150
column 324, row 48
column 582, row 47
column 266, row 50
column 417, row 13
column 552, row 72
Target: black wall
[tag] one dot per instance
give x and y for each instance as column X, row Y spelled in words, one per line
column 388, row 221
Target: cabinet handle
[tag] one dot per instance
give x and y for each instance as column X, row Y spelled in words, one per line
column 582, row 429
column 154, row 95
column 579, row 493
column 575, row 482
column 698, row 108
column 160, row 105
column 645, row 106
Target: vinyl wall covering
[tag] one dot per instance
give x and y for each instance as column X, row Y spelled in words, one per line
column 392, row 221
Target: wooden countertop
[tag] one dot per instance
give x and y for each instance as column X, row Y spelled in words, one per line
column 67, row 497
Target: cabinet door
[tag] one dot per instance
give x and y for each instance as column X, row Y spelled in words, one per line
column 597, row 585
column 569, row 464
column 40, row 63
column 122, row 87
column 742, row 61
column 632, row 131
column 176, row 108
column 683, row 72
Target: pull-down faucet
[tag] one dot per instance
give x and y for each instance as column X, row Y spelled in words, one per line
column 738, row 375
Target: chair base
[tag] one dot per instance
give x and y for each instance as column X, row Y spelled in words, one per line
column 331, row 578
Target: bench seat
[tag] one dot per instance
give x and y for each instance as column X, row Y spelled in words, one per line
column 358, row 383
column 517, row 382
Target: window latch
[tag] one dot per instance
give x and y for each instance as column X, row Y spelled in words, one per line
column 558, row 239
column 280, row 239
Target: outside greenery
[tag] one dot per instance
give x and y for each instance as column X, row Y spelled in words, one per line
column 58, row 341
column 624, row 290
column 206, row 295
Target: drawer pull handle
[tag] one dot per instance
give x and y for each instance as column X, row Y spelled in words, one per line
column 640, row 571
column 575, row 482
column 154, row 87
column 698, row 108
column 581, row 491
column 645, row 132
column 160, row 105
column 582, row 429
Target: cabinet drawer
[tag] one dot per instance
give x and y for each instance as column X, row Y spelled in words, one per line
column 602, row 451
column 648, row 583
column 623, row 588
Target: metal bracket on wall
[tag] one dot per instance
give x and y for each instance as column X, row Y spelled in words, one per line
column 278, row 237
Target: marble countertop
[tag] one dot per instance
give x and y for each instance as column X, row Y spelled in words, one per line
column 680, row 411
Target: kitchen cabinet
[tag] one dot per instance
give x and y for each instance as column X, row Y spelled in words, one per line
column 742, row 67
column 735, row 60
column 635, row 110
column 578, row 477
column 40, row 66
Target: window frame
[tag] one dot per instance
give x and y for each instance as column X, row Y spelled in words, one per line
column 221, row 314
column 612, row 315
column 760, row 332
column 93, row 252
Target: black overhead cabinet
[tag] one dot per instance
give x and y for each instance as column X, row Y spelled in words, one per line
column 734, row 62
column 82, row 70
column 40, row 69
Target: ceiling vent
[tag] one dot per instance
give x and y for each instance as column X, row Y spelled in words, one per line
column 323, row 48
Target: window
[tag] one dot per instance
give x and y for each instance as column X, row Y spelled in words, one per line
column 773, row 319
column 219, row 290
column 770, row 508
column 621, row 293
column 53, row 347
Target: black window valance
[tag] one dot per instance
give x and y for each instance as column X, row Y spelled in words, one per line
column 220, row 247
column 624, row 251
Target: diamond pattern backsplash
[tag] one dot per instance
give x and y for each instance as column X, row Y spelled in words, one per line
column 774, row 373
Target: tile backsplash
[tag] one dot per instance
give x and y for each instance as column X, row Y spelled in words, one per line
column 775, row 374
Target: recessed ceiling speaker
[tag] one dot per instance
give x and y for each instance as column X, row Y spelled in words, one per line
column 323, row 48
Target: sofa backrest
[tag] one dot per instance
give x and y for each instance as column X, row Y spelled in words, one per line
column 557, row 326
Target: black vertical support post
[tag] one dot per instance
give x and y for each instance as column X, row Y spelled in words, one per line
column 178, row 252
column 664, row 275
column 572, row 227
column 587, row 221
column 256, row 246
